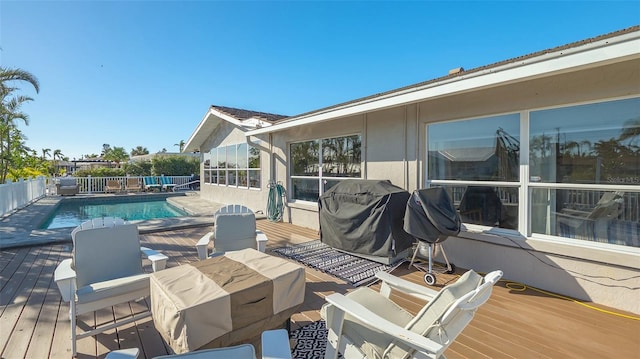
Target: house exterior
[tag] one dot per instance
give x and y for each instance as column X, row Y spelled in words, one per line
column 540, row 154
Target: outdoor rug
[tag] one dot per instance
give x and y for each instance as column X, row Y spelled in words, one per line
column 352, row 269
column 310, row 341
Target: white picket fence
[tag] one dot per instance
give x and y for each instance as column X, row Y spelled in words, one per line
column 15, row 195
column 89, row 184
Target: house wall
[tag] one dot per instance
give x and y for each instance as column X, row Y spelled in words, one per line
column 394, row 148
column 255, row 199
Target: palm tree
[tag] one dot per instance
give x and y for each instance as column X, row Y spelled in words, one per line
column 9, row 112
column 106, row 148
column 630, row 130
column 57, row 156
column 139, row 151
column 46, row 152
column 7, row 75
column 180, row 145
column 117, row 155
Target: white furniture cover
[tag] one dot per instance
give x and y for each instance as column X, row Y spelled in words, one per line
column 225, row 300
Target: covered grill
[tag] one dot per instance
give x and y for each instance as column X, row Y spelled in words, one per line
column 365, row 218
column 431, row 217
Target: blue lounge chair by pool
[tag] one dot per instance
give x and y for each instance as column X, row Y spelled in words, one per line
column 151, row 183
column 166, row 183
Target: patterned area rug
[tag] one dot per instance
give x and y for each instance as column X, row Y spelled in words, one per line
column 354, row 270
column 311, row 341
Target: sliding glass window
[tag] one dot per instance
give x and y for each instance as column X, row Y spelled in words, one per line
column 234, row 165
column 583, row 166
column 477, row 162
column 318, row 165
column 585, row 170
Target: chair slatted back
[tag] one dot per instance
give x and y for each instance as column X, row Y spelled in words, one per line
column 105, row 248
column 449, row 312
column 234, row 228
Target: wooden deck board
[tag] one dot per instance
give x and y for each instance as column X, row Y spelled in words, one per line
column 513, row 324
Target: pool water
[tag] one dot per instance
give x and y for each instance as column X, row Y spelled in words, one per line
column 71, row 213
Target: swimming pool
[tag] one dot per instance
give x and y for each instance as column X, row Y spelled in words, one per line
column 72, row 212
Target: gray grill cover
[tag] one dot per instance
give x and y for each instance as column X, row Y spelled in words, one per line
column 431, row 216
column 364, row 217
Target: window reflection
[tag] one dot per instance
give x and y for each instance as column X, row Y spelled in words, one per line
column 338, row 157
column 305, row 189
column 486, row 149
column 599, row 216
column 232, row 161
column 486, row 205
column 304, row 158
column 341, row 156
column 594, row 143
column 242, row 161
column 254, row 157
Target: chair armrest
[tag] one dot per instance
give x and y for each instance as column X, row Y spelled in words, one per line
column 158, row 260
column 202, row 246
column 392, row 282
column 65, row 278
column 275, row 344
column 131, row 353
column 361, row 313
column 261, row 241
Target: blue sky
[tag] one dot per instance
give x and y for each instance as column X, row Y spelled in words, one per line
column 144, row 73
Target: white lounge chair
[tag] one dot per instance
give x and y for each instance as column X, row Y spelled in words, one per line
column 366, row 323
column 234, row 229
column 105, row 270
column 275, row 345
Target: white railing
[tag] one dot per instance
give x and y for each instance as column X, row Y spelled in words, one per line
column 89, row 184
column 15, row 195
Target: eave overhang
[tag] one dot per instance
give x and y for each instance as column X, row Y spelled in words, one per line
column 211, row 120
column 585, row 55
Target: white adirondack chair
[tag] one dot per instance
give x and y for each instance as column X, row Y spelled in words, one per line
column 367, row 324
column 105, row 270
column 234, row 229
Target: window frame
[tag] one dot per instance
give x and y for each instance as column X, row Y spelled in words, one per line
column 525, row 185
column 320, row 177
column 222, row 170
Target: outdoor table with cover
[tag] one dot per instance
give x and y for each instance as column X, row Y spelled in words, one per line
column 225, row 300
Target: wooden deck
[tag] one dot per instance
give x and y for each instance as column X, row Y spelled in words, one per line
column 513, row 324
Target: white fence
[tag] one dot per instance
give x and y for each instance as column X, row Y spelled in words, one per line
column 14, row 195
column 89, row 184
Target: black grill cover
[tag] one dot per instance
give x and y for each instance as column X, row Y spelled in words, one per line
column 431, row 216
column 364, row 217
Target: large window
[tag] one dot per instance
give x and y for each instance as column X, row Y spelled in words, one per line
column 477, row 162
column 318, row 165
column 583, row 167
column 585, row 170
column 233, row 165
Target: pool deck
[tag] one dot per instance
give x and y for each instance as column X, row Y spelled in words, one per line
column 20, row 228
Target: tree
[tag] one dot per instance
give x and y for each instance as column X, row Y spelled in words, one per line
column 11, row 139
column 116, row 154
column 57, row 156
column 139, row 151
column 46, row 152
column 180, row 145
column 105, row 149
column 10, row 136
